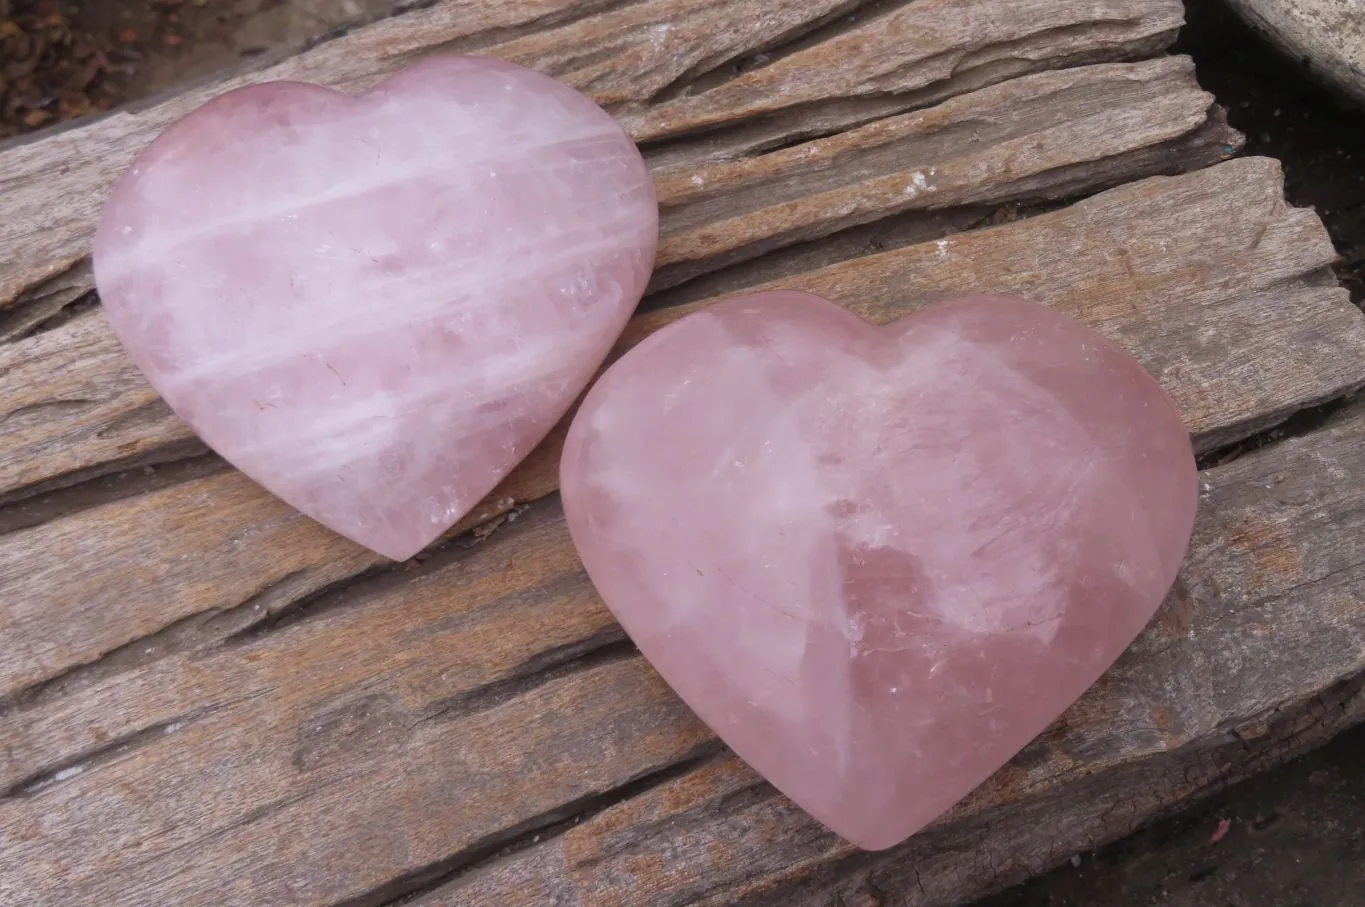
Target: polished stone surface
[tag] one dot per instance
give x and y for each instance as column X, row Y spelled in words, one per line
column 375, row 306
column 878, row 561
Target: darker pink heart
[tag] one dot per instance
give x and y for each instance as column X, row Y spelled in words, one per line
column 376, row 306
column 878, row 561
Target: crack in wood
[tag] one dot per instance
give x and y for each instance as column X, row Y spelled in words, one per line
column 276, row 606
column 256, row 815
column 558, row 656
column 603, row 648
column 77, row 765
column 147, row 472
column 493, row 37
column 960, row 71
column 1296, row 425
column 331, row 597
column 971, row 128
column 710, row 73
column 537, row 830
column 401, row 8
column 45, row 304
column 352, row 590
column 1045, row 191
column 196, row 632
column 888, row 234
column 56, row 408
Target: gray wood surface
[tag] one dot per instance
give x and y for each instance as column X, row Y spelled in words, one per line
column 205, row 698
column 1270, row 605
column 1032, row 138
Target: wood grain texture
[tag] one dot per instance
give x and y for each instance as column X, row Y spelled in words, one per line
column 1241, row 326
column 650, row 846
column 1036, row 137
column 1259, row 654
column 666, row 67
column 73, row 405
column 205, row 698
column 425, row 720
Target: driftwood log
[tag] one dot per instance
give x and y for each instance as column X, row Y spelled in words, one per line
column 205, row 698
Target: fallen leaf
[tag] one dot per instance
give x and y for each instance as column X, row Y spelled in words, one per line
column 1222, row 831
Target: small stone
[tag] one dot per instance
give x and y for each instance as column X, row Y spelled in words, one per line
column 376, row 306
column 879, row 561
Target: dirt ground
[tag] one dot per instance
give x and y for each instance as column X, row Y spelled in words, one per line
column 61, row 59
column 1291, row 838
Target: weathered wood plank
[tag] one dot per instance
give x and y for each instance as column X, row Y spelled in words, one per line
column 659, row 64
column 925, row 50
column 464, row 657
column 1039, row 136
column 1236, row 323
column 206, row 698
column 72, row 405
column 647, row 848
column 432, row 718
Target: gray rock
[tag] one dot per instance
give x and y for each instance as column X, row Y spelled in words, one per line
column 1327, row 35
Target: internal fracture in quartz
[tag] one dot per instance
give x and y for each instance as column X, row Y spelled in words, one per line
column 376, row 306
column 878, row 561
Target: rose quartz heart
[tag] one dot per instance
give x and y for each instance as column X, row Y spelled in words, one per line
column 376, row 306
column 877, row 562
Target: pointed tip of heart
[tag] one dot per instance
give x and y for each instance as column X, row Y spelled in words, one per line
column 386, row 545
column 396, row 537
column 874, row 842
column 396, row 553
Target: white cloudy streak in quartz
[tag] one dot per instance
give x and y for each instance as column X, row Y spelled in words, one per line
column 376, row 306
column 879, row 561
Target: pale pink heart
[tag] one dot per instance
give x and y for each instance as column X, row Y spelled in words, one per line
column 376, row 306
column 878, row 561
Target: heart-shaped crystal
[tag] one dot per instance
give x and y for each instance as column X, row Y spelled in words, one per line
column 878, row 561
column 377, row 305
